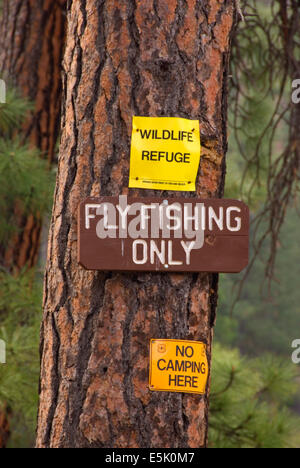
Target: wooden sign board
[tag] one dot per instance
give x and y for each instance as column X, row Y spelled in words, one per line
column 156, row 234
column 178, row 366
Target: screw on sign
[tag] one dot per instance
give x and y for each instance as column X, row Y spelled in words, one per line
column 154, row 234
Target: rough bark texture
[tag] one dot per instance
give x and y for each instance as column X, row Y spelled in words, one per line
column 125, row 58
column 31, row 51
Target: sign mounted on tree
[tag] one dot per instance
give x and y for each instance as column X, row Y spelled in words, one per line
column 165, row 153
column 153, row 234
column 178, row 366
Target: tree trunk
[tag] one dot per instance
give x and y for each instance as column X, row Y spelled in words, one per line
column 31, row 50
column 125, row 58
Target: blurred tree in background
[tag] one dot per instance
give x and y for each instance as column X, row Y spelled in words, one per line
column 31, row 45
column 264, row 121
column 26, row 185
column 31, row 48
column 263, row 169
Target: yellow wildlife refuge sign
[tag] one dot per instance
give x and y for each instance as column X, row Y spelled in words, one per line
column 178, row 366
column 165, row 153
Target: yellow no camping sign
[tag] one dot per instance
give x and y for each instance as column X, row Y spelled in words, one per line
column 165, row 153
column 178, row 366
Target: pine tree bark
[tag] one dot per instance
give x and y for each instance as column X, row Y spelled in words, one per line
column 125, row 58
column 31, row 51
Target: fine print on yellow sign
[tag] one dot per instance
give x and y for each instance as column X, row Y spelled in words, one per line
column 165, row 153
column 178, row 366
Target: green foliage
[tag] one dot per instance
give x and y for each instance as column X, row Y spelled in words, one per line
column 260, row 322
column 20, row 305
column 246, row 179
column 249, row 408
column 248, row 402
column 13, row 112
column 25, row 185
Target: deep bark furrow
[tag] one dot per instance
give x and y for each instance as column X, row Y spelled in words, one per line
column 54, row 379
column 78, row 395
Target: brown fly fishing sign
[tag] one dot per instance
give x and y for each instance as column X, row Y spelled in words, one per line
column 155, row 234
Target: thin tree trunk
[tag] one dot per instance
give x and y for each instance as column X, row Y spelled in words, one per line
column 31, row 50
column 125, row 58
